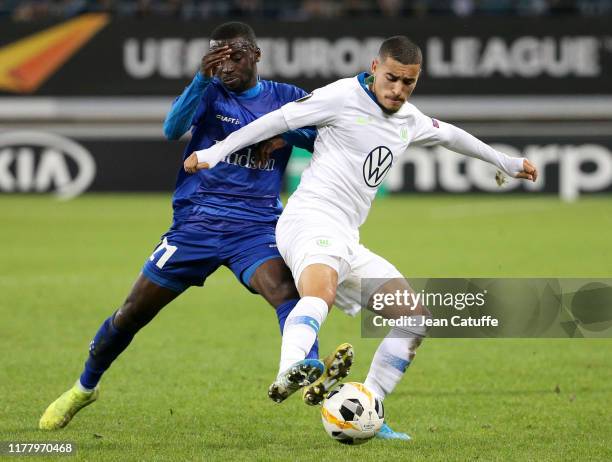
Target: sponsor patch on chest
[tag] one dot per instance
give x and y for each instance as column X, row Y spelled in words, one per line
column 229, row 120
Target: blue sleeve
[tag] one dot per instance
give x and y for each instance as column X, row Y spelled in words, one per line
column 301, row 138
column 179, row 118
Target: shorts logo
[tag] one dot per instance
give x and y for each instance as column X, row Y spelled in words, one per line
column 377, row 165
column 323, row 242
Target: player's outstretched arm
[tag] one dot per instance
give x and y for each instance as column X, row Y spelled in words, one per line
column 462, row 142
column 302, row 138
column 265, row 127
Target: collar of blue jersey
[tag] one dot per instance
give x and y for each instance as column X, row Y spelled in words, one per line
column 366, row 79
column 250, row 93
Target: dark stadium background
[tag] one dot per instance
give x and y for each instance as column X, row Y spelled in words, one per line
column 531, row 75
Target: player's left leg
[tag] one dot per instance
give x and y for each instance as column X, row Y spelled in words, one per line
column 398, row 349
column 184, row 258
column 141, row 305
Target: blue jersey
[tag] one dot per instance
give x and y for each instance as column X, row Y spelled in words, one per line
column 237, row 188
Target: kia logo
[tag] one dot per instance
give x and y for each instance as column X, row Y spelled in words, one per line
column 44, row 162
column 377, row 165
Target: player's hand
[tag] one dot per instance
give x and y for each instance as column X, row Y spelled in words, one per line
column 191, row 164
column 213, row 59
column 264, row 150
column 529, row 171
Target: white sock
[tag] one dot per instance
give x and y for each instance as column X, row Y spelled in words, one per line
column 301, row 329
column 392, row 358
column 80, row 386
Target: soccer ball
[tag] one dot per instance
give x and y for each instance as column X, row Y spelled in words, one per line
column 352, row 414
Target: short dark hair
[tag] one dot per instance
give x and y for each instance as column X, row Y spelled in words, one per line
column 230, row 30
column 402, row 49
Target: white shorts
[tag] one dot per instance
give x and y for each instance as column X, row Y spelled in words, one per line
column 312, row 238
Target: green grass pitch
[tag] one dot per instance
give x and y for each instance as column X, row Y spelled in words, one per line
column 192, row 386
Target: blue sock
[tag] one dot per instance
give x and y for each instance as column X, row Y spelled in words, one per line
column 108, row 343
column 282, row 311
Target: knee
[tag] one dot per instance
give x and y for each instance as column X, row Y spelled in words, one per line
column 285, row 290
column 421, row 310
column 278, row 291
column 128, row 317
column 327, row 294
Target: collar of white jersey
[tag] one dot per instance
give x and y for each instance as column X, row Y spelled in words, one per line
column 365, row 80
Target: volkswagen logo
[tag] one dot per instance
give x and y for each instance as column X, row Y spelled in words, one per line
column 377, row 165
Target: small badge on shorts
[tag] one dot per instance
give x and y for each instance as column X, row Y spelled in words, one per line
column 323, row 242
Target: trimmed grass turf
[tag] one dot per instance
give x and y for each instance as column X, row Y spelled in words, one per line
column 192, row 386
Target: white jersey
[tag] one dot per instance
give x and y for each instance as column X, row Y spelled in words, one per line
column 357, row 144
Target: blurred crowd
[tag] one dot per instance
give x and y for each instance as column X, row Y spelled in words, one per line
column 31, row 10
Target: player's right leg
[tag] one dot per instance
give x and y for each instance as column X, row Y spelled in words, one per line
column 273, row 281
column 317, row 255
column 317, row 286
column 145, row 300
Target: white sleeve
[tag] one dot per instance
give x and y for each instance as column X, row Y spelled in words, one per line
column 318, row 108
column 431, row 132
column 265, row 127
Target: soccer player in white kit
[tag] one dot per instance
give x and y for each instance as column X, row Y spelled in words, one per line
column 364, row 124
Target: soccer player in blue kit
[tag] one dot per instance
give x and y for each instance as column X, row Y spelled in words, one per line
column 226, row 216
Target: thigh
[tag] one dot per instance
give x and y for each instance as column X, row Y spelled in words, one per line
column 303, row 242
column 250, row 252
column 400, row 302
column 274, row 282
column 319, row 280
column 369, row 272
column 378, row 276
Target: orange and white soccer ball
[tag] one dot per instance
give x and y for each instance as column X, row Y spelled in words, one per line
column 352, row 414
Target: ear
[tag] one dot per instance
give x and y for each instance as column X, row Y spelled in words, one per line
column 257, row 54
column 374, row 65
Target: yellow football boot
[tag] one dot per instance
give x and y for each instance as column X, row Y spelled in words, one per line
column 337, row 366
column 61, row 411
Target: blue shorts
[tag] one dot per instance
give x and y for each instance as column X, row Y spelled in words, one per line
column 191, row 251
